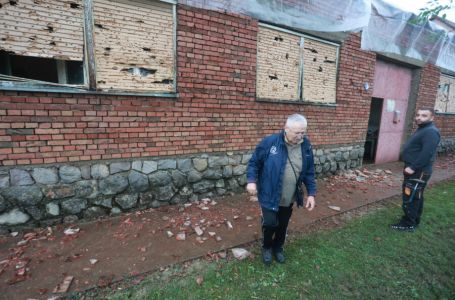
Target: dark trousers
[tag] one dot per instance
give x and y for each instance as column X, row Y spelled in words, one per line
column 274, row 227
column 413, row 203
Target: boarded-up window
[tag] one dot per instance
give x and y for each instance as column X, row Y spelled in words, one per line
column 293, row 67
column 44, row 28
column 134, row 45
column 42, row 41
column 278, row 65
column 445, row 101
column 319, row 71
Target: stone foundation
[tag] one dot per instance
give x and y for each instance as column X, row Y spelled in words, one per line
column 47, row 195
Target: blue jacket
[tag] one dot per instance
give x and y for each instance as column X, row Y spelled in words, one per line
column 266, row 169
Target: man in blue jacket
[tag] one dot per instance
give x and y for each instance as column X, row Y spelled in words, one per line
column 418, row 155
column 280, row 164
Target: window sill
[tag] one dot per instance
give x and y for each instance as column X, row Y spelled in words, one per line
column 296, row 102
column 77, row 89
column 445, row 113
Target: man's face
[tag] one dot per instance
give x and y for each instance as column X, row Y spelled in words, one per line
column 423, row 116
column 295, row 133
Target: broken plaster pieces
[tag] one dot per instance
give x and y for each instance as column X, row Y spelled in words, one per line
column 64, row 286
column 240, row 253
column 71, row 231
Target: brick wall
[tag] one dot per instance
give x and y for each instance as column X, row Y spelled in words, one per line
column 215, row 111
column 427, row 94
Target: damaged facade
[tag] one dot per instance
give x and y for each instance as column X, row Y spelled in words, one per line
column 109, row 106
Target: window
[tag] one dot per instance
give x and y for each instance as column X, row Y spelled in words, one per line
column 41, row 40
column 294, row 67
column 134, row 45
column 445, row 101
column 43, row 44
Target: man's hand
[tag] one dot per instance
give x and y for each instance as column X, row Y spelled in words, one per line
column 409, row 171
column 310, row 203
column 251, row 188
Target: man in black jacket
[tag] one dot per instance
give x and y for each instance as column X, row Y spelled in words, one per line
column 418, row 155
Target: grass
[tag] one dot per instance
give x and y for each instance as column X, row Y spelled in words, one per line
column 362, row 260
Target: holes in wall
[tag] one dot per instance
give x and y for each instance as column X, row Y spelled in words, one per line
column 139, row 71
column 273, row 77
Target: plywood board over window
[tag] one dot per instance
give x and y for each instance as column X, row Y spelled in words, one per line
column 278, row 60
column 294, row 67
column 42, row 28
column 445, row 101
column 319, row 71
column 134, row 45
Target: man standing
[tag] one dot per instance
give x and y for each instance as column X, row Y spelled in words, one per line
column 276, row 171
column 418, row 155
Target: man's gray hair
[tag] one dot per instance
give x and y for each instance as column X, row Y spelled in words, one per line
column 296, row 118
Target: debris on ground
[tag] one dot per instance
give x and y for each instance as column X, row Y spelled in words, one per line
column 71, row 230
column 198, row 230
column 105, row 280
column 190, row 224
column 199, row 280
column 337, row 208
column 240, row 253
column 180, row 236
column 351, row 180
column 64, row 285
column 229, row 225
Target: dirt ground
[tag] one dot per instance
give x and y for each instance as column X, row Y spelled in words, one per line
column 34, row 264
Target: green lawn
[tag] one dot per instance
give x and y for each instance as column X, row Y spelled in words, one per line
column 362, row 260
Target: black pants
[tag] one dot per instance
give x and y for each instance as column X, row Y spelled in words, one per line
column 413, row 200
column 274, row 227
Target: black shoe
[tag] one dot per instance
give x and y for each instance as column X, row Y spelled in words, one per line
column 267, row 256
column 402, row 227
column 279, row 256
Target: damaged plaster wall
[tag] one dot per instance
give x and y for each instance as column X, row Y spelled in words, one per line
column 445, row 101
column 42, row 28
column 320, row 69
column 278, row 64
column 134, row 45
column 282, row 56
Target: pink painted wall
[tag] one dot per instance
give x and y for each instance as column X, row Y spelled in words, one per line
column 391, row 82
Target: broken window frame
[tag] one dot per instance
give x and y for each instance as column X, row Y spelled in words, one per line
column 89, row 66
column 450, row 90
column 302, row 36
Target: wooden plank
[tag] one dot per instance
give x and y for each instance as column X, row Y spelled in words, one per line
column 89, row 44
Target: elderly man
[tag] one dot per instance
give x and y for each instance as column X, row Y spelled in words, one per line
column 281, row 163
column 418, row 156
